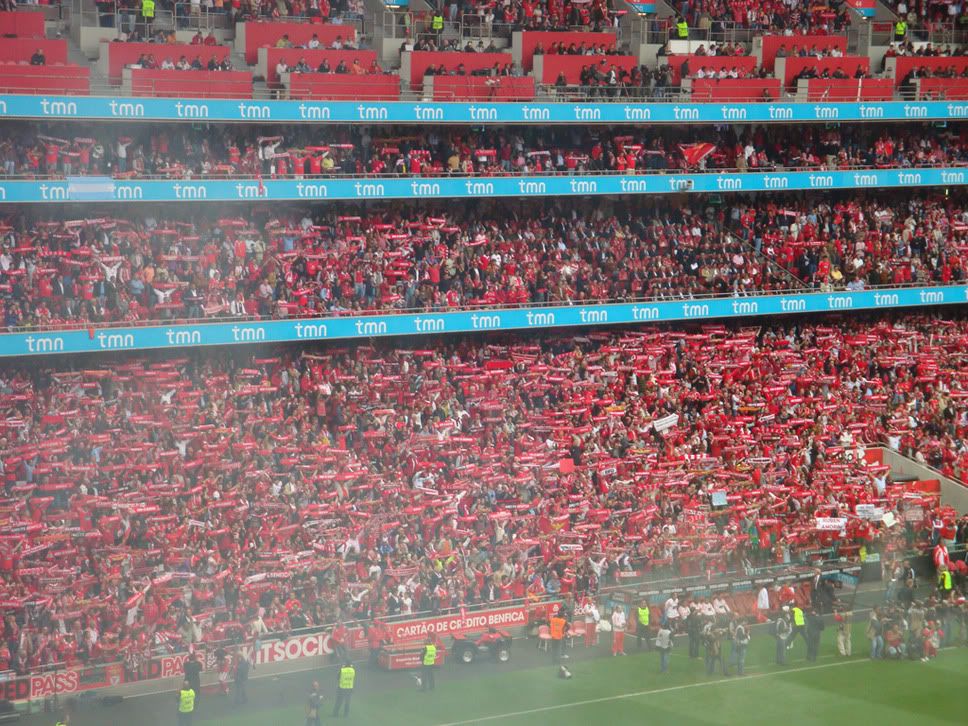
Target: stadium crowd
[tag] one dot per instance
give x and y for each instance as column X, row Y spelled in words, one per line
column 154, row 503
column 296, row 263
column 184, row 152
column 783, row 16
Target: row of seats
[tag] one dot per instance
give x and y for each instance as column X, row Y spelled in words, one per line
column 776, row 64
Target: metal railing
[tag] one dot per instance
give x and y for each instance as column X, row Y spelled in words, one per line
column 435, row 174
column 544, row 92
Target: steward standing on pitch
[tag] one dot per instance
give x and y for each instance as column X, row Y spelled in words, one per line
column 186, row 704
column 345, row 681
column 428, row 662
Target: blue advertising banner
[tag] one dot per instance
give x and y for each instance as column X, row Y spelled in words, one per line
column 342, row 328
column 620, row 112
column 101, row 189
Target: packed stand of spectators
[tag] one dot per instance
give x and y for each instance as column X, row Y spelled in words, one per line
column 229, row 495
column 852, row 242
column 595, row 15
column 293, row 263
column 185, row 152
column 130, row 17
column 247, row 10
column 279, row 264
column 776, row 16
column 918, row 13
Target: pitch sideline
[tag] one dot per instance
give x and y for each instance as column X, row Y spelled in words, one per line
column 636, row 694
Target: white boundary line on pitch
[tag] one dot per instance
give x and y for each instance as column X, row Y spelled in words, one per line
column 668, row 689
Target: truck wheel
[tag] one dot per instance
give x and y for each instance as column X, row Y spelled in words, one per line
column 503, row 654
column 467, row 655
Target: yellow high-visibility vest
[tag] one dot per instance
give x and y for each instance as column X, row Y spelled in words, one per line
column 186, row 701
column 438, row 22
column 430, row 655
column 900, row 27
column 148, row 8
column 644, row 616
column 682, row 27
column 798, row 617
column 347, row 675
column 944, row 579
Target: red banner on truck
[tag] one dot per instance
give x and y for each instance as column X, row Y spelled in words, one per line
column 468, row 622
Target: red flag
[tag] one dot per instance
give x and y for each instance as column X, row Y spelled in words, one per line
column 695, row 153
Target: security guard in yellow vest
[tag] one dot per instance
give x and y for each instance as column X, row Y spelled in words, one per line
column 346, row 679
column 900, row 30
column 682, row 29
column 186, row 704
column 944, row 583
column 428, row 663
column 643, row 616
column 437, row 24
column 148, row 14
column 799, row 626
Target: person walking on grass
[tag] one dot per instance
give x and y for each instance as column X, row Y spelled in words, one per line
column 741, row 641
column 782, row 632
column 713, row 642
column 814, row 628
column 843, row 619
column 875, row 633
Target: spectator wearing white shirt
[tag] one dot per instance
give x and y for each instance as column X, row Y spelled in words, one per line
column 591, row 616
column 762, row 604
column 618, row 631
column 670, row 611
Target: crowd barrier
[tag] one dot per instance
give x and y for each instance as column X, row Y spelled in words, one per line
column 469, row 321
column 305, row 648
column 193, row 84
column 106, row 189
column 16, row 77
column 478, row 88
column 847, row 89
column 622, row 111
column 716, row 89
column 316, row 86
